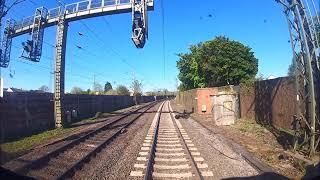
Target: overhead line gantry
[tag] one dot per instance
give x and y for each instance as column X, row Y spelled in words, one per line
column 60, row 17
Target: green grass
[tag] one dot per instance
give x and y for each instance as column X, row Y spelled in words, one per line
column 290, row 132
column 28, row 143
column 250, row 127
column 97, row 117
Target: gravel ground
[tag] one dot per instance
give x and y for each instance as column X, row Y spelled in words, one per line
column 74, row 154
column 42, row 149
column 258, row 145
column 116, row 160
column 222, row 160
column 46, row 148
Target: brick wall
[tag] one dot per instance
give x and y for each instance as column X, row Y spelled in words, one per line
column 23, row 114
column 204, row 99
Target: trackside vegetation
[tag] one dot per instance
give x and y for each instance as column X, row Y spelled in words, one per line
column 218, row 62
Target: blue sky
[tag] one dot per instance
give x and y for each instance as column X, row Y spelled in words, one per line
column 113, row 57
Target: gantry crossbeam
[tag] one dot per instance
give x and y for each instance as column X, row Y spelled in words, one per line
column 77, row 11
column 60, row 17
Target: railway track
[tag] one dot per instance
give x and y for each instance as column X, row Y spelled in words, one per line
column 63, row 162
column 168, row 152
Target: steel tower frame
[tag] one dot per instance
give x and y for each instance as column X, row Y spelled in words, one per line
column 33, row 47
column 6, row 43
column 302, row 17
column 61, row 16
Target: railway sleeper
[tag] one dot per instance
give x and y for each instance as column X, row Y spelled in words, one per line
column 61, row 163
column 48, row 172
column 93, row 141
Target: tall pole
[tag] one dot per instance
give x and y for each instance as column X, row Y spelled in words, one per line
column 2, row 4
column 94, row 83
column 304, row 44
column 311, row 104
column 59, row 78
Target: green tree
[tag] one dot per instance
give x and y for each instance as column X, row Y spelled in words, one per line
column 107, row 87
column 151, row 93
column 166, row 92
column 111, row 92
column 123, row 90
column 97, row 88
column 160, row 92
column 44, row 88
column 76, row 90
column 136, row 87
column 217, row 62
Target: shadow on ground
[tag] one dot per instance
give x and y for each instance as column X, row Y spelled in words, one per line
column 184, row 115
column 272, row 106
column 312, row 172
column 6, row 174
column 263, row 176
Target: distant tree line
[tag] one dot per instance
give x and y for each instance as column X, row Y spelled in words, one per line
column 160, row 92
column 98, row 89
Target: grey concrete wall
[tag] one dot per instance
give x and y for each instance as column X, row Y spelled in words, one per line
column 23, row 114
column 188, row 100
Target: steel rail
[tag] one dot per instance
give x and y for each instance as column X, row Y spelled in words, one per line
column 70, row 171
column 37, row 162
column 149, row 169
column 150, row 159
column 194, row 166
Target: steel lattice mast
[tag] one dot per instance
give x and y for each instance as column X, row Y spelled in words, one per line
column 60, row 17
column 2, row 13
column 2, row 4
column 303, row 22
